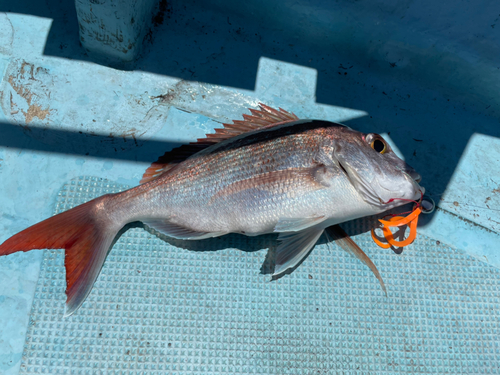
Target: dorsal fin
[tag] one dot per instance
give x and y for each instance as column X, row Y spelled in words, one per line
column 264, row 118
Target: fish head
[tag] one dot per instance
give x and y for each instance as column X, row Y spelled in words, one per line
column 381, row 178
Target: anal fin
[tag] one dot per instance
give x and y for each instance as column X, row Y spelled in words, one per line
column 176, row 231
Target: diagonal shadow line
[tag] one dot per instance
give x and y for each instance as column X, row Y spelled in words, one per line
column 106, row 146
column 51, row 140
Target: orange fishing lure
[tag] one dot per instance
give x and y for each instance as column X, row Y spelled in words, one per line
column 411, row 220
column 397, row 221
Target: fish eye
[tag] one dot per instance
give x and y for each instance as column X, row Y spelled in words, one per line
column 378, row 145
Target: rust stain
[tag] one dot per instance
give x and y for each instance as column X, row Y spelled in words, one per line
column 12, row 106
column 34, row 110
column 21, row 91
column 30, row 68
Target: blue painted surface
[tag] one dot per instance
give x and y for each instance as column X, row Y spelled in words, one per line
column 427, row 73
column 114, row 31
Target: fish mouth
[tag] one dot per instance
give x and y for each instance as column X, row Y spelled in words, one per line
column 419, row 191
column 393, row 198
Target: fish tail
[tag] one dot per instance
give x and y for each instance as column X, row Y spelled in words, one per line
column 86, row 232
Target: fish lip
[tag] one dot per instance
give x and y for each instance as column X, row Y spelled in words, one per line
column 418, row 188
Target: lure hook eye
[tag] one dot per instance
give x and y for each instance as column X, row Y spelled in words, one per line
column 427, row 205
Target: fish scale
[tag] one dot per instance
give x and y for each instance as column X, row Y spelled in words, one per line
column 242, row 163
column 217, row 171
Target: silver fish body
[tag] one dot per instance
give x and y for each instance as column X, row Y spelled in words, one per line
column 288, row 174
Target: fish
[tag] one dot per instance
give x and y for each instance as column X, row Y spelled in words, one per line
column 268, row 173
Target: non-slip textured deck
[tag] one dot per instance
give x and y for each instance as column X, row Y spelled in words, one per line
column 211, row 309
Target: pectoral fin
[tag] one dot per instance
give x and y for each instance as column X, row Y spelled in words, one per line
column 293, row 248
column 345, row 242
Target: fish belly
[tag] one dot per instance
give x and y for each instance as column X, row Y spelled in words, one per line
column 258, row 210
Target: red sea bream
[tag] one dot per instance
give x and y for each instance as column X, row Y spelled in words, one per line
column 271, row 173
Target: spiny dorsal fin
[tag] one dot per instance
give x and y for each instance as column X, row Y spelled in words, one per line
column 263, row 118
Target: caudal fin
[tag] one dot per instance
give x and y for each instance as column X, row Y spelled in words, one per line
column 86, row 236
